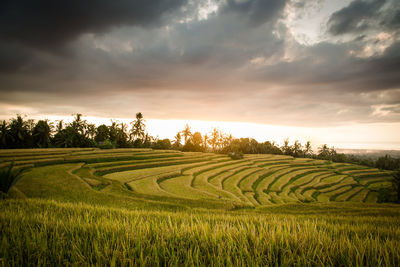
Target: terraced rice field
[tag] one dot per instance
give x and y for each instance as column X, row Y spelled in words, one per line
column 191, row 178
column 123, row 207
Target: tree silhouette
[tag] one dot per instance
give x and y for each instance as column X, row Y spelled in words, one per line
column 178, row 140
column 138, row 128
column 91, row 131
column 214, row 138
column 286, row 149
column 65, row 137
column 186, row 133
column 205, row 145
column 41, row 133
column 296, row 149
column 197, row 141
column 19, row 129
column 79, row 125
column 59, row 126
column 307, row 149
column 323, row 152
column 102, row 133
column 6, row 137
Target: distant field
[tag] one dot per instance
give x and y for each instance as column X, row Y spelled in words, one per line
column 254, row 181
column 149, row 207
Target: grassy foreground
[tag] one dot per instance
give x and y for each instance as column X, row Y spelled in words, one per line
column 166, row 208
column 44, row 232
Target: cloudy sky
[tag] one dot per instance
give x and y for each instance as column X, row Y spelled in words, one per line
column 323, row 70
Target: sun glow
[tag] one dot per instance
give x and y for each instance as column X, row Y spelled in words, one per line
column 355, row 136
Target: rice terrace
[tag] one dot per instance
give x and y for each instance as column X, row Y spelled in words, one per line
column 200, row 133
column 163, row 207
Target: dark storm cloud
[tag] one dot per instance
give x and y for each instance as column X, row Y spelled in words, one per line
column 48, row 23
column 331, row 64
column 13, row 56
column 183, row 54
column 362, row 15
column 238, row 63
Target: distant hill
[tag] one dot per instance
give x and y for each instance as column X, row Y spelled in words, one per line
column 372, row 153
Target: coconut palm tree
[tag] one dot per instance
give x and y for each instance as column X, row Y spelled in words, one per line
column 60, row 126
column 286, row 149
column 90, row 131
column 186, row 132
column 214, row 138
column 5, row 136
column 296, row 149
column 178, row 140
column 20, row 131
column 138, row 128
column 205, row 138
column 65, row 137
column 41, row 133
column 307, row 149
column 323, row 152
column 79, row 125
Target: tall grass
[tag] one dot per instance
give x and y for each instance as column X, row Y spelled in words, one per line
column 39, row 232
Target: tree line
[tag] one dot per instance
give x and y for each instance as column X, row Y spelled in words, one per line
column 26, row 133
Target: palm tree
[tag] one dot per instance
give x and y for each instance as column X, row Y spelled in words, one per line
column 178, row 139
column 205, row 138
column 60, row 126
column 286, row 149
column 225, row 140
column 214, row 138
column 323, row 151
column 5, row 136
column 122, row 137
column 138, row 127
column 91, row 131
column 186, row 132
column 65, row 137
column 79, row 125
column 41, row 133
column 307, row 149
column 113, row 131
column 296, row 149
column 20, row 131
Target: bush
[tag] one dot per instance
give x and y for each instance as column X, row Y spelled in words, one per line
column 235, row 155
column 8, row 178
column 106, row 145
column 386, row 195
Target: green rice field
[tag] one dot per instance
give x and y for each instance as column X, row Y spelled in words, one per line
column 146, row 207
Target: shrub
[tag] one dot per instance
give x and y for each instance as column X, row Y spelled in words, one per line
column 385, row 195
column 8, row 178
column 235, row 155
column 106, row 145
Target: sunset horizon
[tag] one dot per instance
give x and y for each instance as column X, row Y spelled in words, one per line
column 352, row 137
